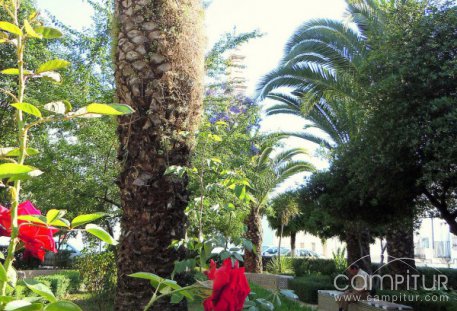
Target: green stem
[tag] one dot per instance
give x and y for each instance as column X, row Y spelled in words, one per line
column 22, row 137
column 155, row 297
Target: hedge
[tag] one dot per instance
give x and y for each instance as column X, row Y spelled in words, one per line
column 306, row 266
column 61, row 284
column 307, row 287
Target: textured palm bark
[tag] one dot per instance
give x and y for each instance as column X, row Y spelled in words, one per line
column 400, row 244
column 159, row 72
column 358, row 247
column 293, row 237
column 253, row 260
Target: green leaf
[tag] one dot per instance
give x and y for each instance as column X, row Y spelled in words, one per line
column 265, row 304
column 12, row 277
column 28, row 108
column 8, row 170
column 62, row 222
column 109, row 109
column 54, row 214
column 84, row 219
column 62, row 306
column 101, row 234
column 50, row 75
column 16, row 152
column 55, row 64
column 48, row 32
column 6, row 26
column 30, row 31
column 23, row 305
column 6, row 299
column 238, row 257
column 3, row 274
column 176, row 298
column 15, row 71
column 33, row 218
column 40, row 289
column 224, row 255
column 57, row 107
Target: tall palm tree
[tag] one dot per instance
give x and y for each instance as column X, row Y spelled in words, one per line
column 319, row 78
column 158, row 70
column 267, row 173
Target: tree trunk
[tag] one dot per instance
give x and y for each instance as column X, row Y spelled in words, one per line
column 279, row 247
column 358, row 247
column 293, row 237
column 253, row 260
column 400, row 244
column 159, row 71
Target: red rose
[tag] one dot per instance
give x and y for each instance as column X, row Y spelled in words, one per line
column 37, row 238
column 230, row 287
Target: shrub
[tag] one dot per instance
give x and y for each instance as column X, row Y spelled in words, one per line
column 306, row 266
column 61, row 284
column 99, row 276
column 286, row 265
column 307, row 287
column 74, row 278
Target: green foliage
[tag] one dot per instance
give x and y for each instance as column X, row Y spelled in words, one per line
column 98, row 274
column 280, row 265
column 339, row 257
column 285, row 304
column 307, row 287
column 311, row 266
column 62, row 284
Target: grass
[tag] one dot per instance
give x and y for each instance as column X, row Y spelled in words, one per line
column 88, row 303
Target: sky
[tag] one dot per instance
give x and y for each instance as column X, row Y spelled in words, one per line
column 276, row 20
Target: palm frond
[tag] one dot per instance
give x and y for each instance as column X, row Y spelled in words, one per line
column 292, row 168
column 308, row 137
column 287, row 155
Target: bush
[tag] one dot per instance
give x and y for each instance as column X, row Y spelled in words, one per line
column 286, row 265
column 74, row 278
column 306, row 266
column 307, row 287
column 99, row 276
column 61, row 284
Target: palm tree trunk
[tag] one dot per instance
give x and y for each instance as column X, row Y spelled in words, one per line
column 159, row 70
column 293, row 237
column 279, row 247
column 253, row 260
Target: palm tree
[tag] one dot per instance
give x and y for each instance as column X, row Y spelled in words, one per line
column 284, row 208
column 158, row 71
column 319, row 78
column 267, row 173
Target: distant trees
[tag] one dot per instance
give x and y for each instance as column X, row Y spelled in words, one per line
column 384, row 95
